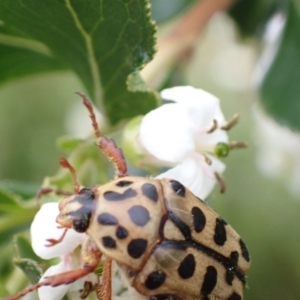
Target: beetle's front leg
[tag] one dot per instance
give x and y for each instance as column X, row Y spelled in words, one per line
column 91, row 256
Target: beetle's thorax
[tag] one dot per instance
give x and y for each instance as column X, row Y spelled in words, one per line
column 76, row 210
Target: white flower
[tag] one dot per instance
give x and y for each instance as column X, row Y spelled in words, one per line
column 185, row 134
column 278, row 150
column 45, row 227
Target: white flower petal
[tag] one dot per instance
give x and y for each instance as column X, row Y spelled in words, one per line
column 53, row 293
column 44, row 227
column 209, row 179
column 202, row 106
column 189, row 174
column 196, row 174
column 167, row 133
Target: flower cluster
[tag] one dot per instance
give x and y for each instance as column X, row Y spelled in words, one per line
column 186, row 135
column 283, row 161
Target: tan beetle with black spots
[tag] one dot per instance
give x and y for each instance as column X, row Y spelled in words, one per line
column 168, row 244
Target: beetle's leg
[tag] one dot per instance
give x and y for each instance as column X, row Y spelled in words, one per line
column 53, row 242
column 65, row 164
column 104, row 292
column 91, row 256
column 107, row 146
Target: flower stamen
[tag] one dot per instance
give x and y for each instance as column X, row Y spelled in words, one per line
column 238, row 145
column 221, row 182
column 214, row 126
column 231, row 123
column 207, row 159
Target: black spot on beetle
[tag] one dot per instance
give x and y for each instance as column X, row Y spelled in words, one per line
column 234, row 257
column 220, row 236
column 155, row 280
column 229, row 276
column 232, row 268
column 178, row 188
column 121, row 232
column 244, row 250
column 165, row 297
column 123, row 183
column 210, row 281
column 182, row 226
column 149, row 190
column 199, row 219
column 161, row 297
column 109, row 242
column 235, row 296
column 187, row 267
column 139, row 215
column 137, row 247
column 114, row 196
column 107, row 219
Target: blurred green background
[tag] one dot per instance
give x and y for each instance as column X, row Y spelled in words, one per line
column 33, row 114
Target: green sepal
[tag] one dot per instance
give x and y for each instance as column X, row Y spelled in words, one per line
column 30, row 268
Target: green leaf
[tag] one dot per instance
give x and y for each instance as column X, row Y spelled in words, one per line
column 23, row 248
column 14, row 223
column 136, row 83
column 280, row 90
column 24, row 189
column 9, row 202
column 102, row 41
column 30, row 268
column 16, row 62
column 251, row 14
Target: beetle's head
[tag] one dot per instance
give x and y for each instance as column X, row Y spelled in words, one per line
column 75, row 211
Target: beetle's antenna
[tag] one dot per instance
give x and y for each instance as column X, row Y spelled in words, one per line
column 65, row 164
column 107, row 146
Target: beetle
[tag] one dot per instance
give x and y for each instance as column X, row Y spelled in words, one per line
column 166, row 242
